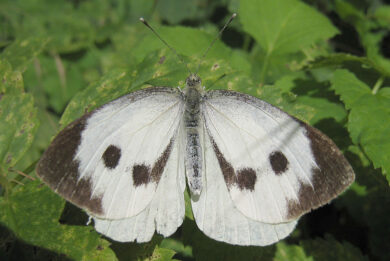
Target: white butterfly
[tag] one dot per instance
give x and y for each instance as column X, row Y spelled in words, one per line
column 252, row 169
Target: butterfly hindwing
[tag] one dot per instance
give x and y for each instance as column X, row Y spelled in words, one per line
column 216, row 215
column 165, row 212
column 276, row 167
column 110, row 161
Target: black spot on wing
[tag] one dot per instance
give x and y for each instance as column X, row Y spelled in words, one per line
column 158, row 167
column 226, row 167
column 246, row 179
column 60, row 171
column 111, row 156
column 333, row 175
column 142, row 174
column 279, row 162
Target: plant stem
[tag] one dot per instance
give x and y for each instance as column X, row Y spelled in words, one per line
column 378, row 85
column 265, row 67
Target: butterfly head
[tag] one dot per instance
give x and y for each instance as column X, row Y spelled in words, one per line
column 193, row 81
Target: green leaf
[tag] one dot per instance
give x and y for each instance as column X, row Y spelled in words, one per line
column 187, row 201
column 337, row 59
column 11, row 81
column 177, row 246
column 186, row 41
column 157, row 69
column 239, row 81
column 121, row 81
column 287, row 102
column 175, row 11
column 281, row 30
column 382, row 15
column 314, row 95
column 48, row 127
column 281, row 26
column 136, row 8
column 59, row 79
column 162, row 254
column 266, row 69
column 323, row 109
column 369, row 116
column 21, row 52
column 18, row 122
column 286, row 252
column 42, row 228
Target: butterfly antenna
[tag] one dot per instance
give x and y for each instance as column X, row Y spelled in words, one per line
column 162, row 40
column 215, row 39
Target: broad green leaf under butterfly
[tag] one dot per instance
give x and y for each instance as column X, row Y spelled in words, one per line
column 42, row 228
column 121, row 81
column 368, row 121
column 159, row 68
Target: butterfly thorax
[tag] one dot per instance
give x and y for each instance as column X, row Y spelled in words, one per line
column 193, row 96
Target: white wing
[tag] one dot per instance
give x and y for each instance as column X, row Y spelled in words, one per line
column 217, row 216
column 109, row 162
column 165, row 212
column 276, row 167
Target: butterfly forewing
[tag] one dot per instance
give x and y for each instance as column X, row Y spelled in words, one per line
column 276, row 168
column 110, row 161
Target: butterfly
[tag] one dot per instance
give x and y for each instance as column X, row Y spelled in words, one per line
column 252, row 169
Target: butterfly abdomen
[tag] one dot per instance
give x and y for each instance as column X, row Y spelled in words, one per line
column 192, row 141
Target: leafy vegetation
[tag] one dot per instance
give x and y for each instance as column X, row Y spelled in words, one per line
column 326, row 62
